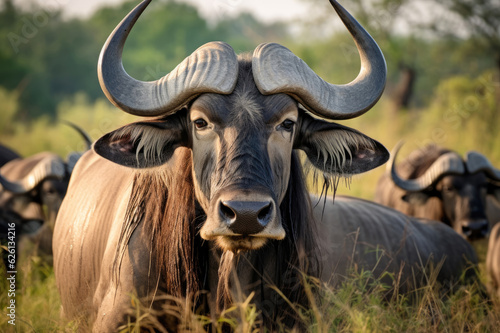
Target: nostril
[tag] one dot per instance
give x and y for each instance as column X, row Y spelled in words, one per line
column 476, row 229
column 264, row 212
column 227, row 211
column 246, row 217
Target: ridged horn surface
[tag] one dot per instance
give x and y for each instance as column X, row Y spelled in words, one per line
column 277, row 70
column 211, row 68
column 447, row 164
column 50, row 166
column 478, row 162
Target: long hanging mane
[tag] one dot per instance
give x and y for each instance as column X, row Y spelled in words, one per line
column 166, row 206
column 295, row 255
column 164, row 203
column 300, row 251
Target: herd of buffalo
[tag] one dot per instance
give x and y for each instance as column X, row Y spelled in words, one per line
column 207, row 192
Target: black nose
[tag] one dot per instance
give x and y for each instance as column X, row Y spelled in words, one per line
column 475, row 229
column 246, row 217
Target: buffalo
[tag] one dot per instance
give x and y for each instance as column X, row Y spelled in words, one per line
column 361, row 234
column 493, row 258
column 7, row 155
column 12, row 225
column 209, row 194
column 33, row 188
column 438, row 184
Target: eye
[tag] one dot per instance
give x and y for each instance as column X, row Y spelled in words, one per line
column 200, row 123
column 50, row 190
column 448, row 188
column 286, row 125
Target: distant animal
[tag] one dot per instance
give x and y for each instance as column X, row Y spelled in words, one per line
column 210, row 194
column 493, row 258
column 437, row 183
column 12, row 226
column 7, row 155
column 33, row 188
column 363, row 235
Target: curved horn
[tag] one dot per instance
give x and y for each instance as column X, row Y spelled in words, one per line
column 478, row 162
column 71, row 160
column 446, row 164
column 85, row 136
column 50, row 166
column 211, row 68
column 277, row 70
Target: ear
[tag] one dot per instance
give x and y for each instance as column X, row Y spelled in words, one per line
column 337, row 149
column 144, row 144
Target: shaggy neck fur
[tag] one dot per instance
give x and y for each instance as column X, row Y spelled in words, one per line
column 292, row 257
column 181, row 256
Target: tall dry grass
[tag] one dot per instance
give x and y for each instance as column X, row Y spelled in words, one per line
column 360, row 304
column 462, row 115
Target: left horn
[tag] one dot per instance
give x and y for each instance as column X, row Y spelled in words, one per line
column 477, row 162
column 277, row 70
column 211, row 68
column 47, row 167
column 446, row 164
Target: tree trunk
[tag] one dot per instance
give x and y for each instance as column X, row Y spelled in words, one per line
column 403, row 91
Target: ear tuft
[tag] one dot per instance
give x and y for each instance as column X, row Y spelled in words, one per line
column 339, row 150
column 144, row 144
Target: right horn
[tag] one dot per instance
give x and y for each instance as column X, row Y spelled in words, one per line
column 478, row 162
column 277, row 70
column 50, row 166
column 211, row 68
column 446, row 164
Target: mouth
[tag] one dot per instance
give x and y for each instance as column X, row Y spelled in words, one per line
column 240, row 243
column 225, row 239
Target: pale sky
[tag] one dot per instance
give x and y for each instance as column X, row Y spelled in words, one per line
column 265, row 10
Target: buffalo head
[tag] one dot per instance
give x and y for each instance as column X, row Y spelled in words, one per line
column 34, row 188
column 461, row 185
column 242, row 118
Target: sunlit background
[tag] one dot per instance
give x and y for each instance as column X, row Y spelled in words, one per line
column 443, row 59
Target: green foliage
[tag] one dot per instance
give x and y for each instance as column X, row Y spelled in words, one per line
column 48, row 73
column 48, row 59
column 360, row 304
column 465, row 107
column 463, row 115
column 36, row 298
column 8, row 109
column 96, row 118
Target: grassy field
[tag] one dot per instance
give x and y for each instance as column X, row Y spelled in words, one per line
column 462, row 115
column 357, row 306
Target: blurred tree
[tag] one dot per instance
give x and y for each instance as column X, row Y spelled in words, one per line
column 46, row 58
column 466, row 113
column 477, row 19
column 245, row 32
column 417, row 57
column 480, row 18
column 383, row 20
column 166, row 33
